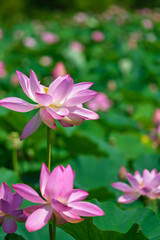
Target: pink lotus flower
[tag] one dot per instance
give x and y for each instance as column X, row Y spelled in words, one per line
column 62, row 100
column 122, row 173
column 156, row 116
column 29, row 42
column 9, row 209
column 80, row 17
column 100, row 102
column 49, row 37
column 147, row 23
column 1, row 33
column 45, row 61
column 2, row 70
column 59, row 70
column 14, row 79
column 77, row 46
column 59, row 200
column 147, row 185
column 155, row 136
column 97, row 36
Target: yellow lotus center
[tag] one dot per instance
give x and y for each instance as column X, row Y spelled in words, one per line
column 61, row 200
column 46, row 89
column 51, row 105
column 2, row 214
column 141, row 184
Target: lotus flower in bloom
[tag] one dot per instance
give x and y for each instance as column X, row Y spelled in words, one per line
column 77, row 46
column 59, row 200
column 9, row 209
column 14, row 80
column 155, row 136
column 45, row 61
column 156, row 116
column 146, row 185
column 62, row 100
column 147, row 23
column 29, row 42
column 2, row 70
column 100, row 102
column 98, row 36
column 49, row 37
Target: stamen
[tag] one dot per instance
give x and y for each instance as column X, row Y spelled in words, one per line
column 46, row 89
column 141, row 184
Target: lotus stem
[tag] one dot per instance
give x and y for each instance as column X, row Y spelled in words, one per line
column 54, row 228
column 49, row 168
column 48, row 148
column 50, row 231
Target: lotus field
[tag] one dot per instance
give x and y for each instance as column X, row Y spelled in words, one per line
column 80, row 127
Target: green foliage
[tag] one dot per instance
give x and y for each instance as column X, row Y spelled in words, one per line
column 8, row 176
column 13, row 236
column 87, row 230
column 119, row 220
column 23, row 234
column 133, row 224
column 101, row 194
column 129, row 139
